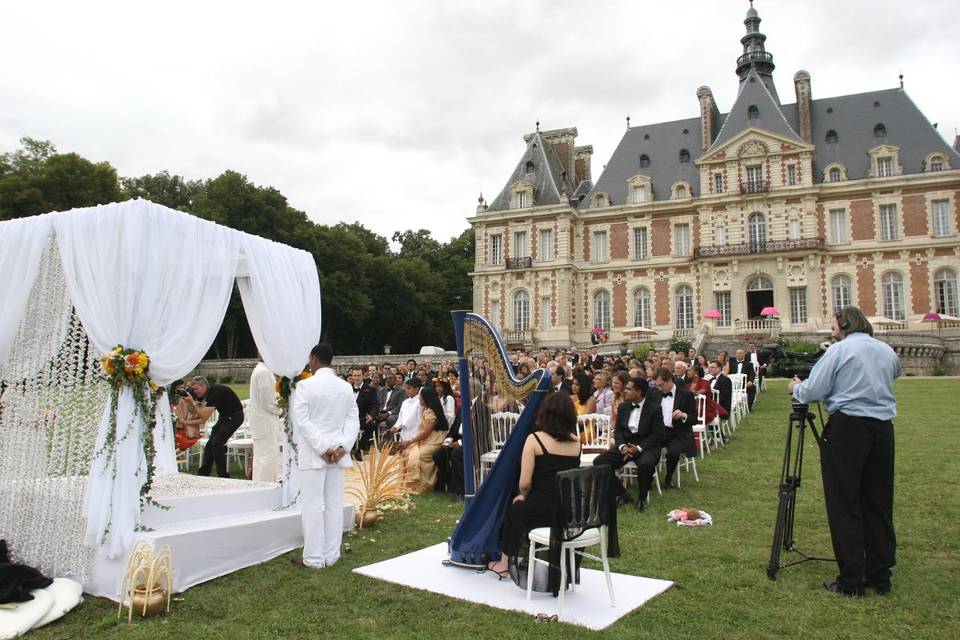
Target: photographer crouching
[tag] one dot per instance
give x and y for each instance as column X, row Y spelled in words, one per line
column 221, row 398
column 855, row 378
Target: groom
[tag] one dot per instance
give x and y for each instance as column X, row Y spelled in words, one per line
column 325, row 426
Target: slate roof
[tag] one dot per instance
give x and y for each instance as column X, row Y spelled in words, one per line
column 754, row 93
column 547, row 176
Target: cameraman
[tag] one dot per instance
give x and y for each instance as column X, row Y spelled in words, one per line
column 229, row 409
column 855, row 378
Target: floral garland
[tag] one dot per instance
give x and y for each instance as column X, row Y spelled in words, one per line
column 284, row 386
column 130, row 367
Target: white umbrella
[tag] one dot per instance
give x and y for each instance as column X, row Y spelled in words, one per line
column 640, row 331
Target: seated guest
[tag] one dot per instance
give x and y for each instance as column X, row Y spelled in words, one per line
column 602, row 393
column 449, row 461
column 699, row 385
column 445, row 393
column 680, row 374
column 421, row 447
column 618, row 383
column 583, row 400
column 721, row 383
column 558, row 379
column 408, row 418
column 552, row 447
column 184, row 435
column 638, row 436
column 391, row 397
column 679, row 415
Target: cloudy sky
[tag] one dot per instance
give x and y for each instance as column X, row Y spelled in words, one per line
column 398, row 113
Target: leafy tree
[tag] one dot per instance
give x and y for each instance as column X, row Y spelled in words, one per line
column 162, row 188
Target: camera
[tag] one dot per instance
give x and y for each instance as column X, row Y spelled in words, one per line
column 183, row 393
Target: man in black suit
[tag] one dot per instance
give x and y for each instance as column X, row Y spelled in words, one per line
column 367, row 405
column 722, row 384
column 558, row 379
column 679, row 409
column 595, row 360
column 743, row 365
column 391, row 396
column 680, row 377
column 449, row 461
column 638, row 436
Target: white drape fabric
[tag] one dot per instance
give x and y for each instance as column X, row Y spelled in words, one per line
column 149, row 278
column 21, row 246
column 281, row 296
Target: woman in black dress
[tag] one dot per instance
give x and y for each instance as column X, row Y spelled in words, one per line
column 552, row 447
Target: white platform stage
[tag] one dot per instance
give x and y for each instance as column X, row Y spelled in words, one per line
column 587, row 606
column 215, row 526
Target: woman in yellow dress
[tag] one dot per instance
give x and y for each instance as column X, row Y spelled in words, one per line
column 430, row 436
column 583, row 400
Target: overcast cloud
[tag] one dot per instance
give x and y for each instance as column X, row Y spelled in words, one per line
column 397, row 114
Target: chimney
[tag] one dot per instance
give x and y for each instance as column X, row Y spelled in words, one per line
column 708, row 116
column 582, row 157
column 801, row 84
column 956, row 143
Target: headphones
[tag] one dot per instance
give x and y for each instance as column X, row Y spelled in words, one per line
column 842, row 322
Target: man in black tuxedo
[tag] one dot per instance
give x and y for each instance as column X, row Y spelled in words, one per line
column 743, row 365
column 367, row 405
column 391, row 396
column 449, row 461
column 638, row 436
column 558, row 379
column 679, row 409
column 595, row 360
column 680, row 377
column 722, row 384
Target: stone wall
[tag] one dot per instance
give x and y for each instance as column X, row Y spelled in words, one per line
column 239, row 371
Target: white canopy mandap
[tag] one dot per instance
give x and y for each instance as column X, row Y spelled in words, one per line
column 76, row 284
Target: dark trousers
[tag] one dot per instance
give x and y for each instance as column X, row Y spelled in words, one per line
column 449, row 461
column 751, row 395
column 675, row 447
column 856, row 460
column 646, row 465
column 216, row 450
column 366, row 438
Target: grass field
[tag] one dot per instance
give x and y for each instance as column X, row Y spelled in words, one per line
column 721, row 588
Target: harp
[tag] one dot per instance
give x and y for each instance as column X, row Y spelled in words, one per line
column 491, row 395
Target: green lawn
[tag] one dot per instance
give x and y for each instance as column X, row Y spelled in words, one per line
column 721, row 588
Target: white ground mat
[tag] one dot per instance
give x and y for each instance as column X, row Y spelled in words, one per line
column 587, row 606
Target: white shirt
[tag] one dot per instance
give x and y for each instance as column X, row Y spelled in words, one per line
column 633, row 422
column 449, row 408
column 755, row 360
column 666, row 405
column 408, row 420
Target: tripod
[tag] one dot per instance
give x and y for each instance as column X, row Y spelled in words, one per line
column 800, row 420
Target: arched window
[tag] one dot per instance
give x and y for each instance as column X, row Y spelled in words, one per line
column 521, row 311
column 684, row 156
column 753, row 112
column 644, row 161
column 832, row 137
column 835, row 175
column 880, row 131
column 760, row 283
column 684, row 300
column 945, row 290
column 681, row 191
column 757, row 231
column 841, row 292
column 599, row 200
column 529, row 168
column 892, row 283
column 601, row 310
column 936, row 163
column 642, row 315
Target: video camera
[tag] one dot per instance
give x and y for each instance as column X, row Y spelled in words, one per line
column 788, row 364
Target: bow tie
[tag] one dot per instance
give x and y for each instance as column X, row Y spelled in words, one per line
column 669, row 394
column 635, row 405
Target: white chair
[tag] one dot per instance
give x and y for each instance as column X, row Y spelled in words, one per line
column 501, row 426
column 197, row 449
column 738, row 395
column 594, row 432
column 726, row 425
column 629, row 472
column 700, row 429
column 240, row 446
column 684, row 464
column 595, row 535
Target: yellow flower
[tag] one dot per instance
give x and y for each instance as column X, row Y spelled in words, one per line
column 107, row 365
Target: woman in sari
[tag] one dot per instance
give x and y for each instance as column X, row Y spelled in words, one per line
column 420, row 449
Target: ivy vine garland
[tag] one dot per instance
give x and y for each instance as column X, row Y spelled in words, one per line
column 284, row 388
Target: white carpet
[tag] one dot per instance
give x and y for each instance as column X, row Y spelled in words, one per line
column 588, row 606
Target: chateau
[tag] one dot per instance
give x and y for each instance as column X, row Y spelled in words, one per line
column 804, row 207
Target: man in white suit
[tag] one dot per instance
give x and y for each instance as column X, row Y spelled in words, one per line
column 264, row 417
column 325, row 426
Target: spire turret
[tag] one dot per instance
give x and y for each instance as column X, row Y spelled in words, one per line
column 755, row 56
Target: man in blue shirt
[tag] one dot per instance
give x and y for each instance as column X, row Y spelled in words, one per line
column 855, row 378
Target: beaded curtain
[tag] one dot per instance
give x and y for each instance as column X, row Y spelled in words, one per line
column 52, row 394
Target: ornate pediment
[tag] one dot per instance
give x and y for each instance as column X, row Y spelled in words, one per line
column 752, row 143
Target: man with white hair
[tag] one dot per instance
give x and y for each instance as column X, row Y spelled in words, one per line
column 680, row 374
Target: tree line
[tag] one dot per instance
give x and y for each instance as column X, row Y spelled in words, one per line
column 373, row 295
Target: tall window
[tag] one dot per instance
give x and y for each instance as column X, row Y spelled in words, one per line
column 681, row 233
column 684, row 156
column 794, row 229
column 599, row 246
column 545, row 244
column 753, row 112
column 520, row 248
column 640, row 243
column 838, row 226
column 754, row 178
column 841, row 293
column 757, row 231
column 521, row 311
column 945, row 291
column 638, row 193
column 719, row 235
column 684, row 300
column 798, row 305
column 723, row 306
column 936, row 163
column 941, row 217
column 888, row 222
column 522, row 199
column 642, row 316
column 496, row 249
column 644, row 161
column 791, row 174
column 681, row 191
column 835, row 175
column 495, row 313
column 545, row 308
column 601, row 310
column 718, row 182
column 893, row 295
column 885, row 166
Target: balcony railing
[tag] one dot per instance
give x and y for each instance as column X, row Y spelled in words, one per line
column 767, row 326
column 754, row 186
column 519, row 263
column 754, row 56
column 768, row 246
column 517, row 336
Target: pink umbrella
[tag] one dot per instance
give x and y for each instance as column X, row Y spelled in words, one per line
column 713, row 314
column 932, row 317
column 769, row 312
